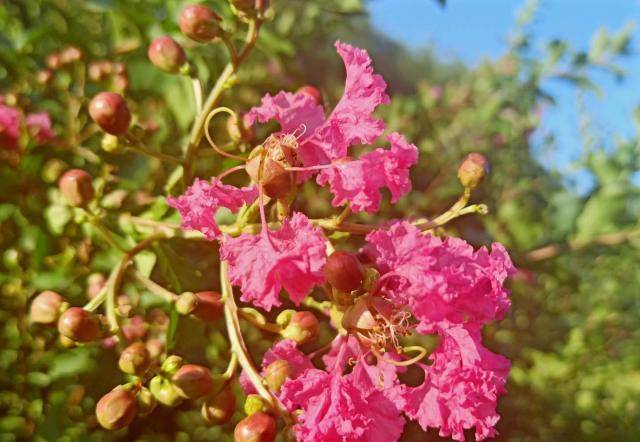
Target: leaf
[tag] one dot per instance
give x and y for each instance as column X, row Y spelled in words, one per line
column 71, row 363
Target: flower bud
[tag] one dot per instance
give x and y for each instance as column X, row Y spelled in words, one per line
column 109, row 143
column 166, row 54
column 135, row 359
column 238, row 129
column 172, row 364
column 45, row 308
column 163, row 390
column 219, row 409
column 276, row 374
column 70, row 55
column 192, row 381
column 259, row 427
column 302, row 328
column 208, row 306
column 199, row 23
column 110, row 112
column 186, row 303
column 312, row 92
column 146, row 402
column 254, row 404
column 155, row 347
column 44, row 76
column 275, row 180
column 116, row 409
column 344, row 271
column 53, row 61
column 359, row 316
column 77, row 187
column 473, row 170
column 95, row 284
column 79, row 325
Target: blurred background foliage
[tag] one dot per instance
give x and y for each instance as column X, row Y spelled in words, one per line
column 573, row 330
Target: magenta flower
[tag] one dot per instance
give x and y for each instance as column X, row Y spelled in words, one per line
column 324, row 143
column 9, row 127
column 39, row 125
column 199, row 204
column 291, row 258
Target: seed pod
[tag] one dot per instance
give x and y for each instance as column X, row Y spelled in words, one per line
column 192, row 381
column 79, row 325
column 276, row 374
column 146, row 402
column 166, row 54
column 45, row 308
column 259, row 427
column 199, row 23
column 77, row 187
column 473, row 170
column 116, row 409
column 312, row 92
column 344, row 271
column 164, row 391
column 135, row 359
column 219, row 409
column 275, row 180
column 110, row 112
column 302, row 328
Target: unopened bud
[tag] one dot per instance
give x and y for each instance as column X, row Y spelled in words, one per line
column 109, row 143
column 70, row 55
column 192, row 381
column 155, row 347
column 135, row 359
column 219, row 409
column 312, row 92
column 199, row 23
column 110, row 111
column 166, row 54
column 344, row 271
column 79, row 325
column 44, row 76
column 473, row 170
column 77, row 187
column 276, row 374
column 45, row 308
column 238, row 128
column 53, row 61
column 254, row 404
column 259, row 427
column 171, row 365
column 95, row 284
column 116, row 409
column 186, row 303
column 146, row 401
column 302, row 328
column 163, row 390
column 208, row 306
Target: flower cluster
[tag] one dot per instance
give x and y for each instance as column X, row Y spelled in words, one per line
column 14, row 127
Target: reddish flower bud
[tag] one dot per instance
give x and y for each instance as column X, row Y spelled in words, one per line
column 238, row 129
column 135, row 359
column 259, row 427
column 473, row 170
column 53, row 61
column 302, row 328
column 79, row 325
column 45, row 308
column 199, row 23
column 163, row 390
column 156, row 347
column 275, row 180
column 219, row 409
column 312, row 92
column 110, row 112
column 186, row 303
column 344, row 271
column 166, row 54
column 76, row 187
column 116, row 409
column 276, row 374
column 70, row 55
column 192, row 381
column 208, row 306
column 146, row 402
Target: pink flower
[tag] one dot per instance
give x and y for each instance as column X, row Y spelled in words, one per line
column 291, row 258
column 199, row 204
column 443, row 281
column 340, row 408
column 359, row 182
column 9, row 127
column 39, row 125
column 461, row 388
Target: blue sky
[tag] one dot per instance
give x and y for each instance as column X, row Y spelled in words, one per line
column 471, row 30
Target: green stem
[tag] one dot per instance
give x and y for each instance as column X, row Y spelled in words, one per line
column 155, row 288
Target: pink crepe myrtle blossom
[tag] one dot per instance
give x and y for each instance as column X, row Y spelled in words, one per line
column 10, row 122
column 291, row 258
column 199, row 204
column 39, row 126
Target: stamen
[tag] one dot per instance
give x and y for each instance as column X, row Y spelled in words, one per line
column 302, row 128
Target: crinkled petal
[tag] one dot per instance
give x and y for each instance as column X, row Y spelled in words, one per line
column 336, row 408
column 291, row 258
column 290, row 110
column 39, row 125
column 461, row 388
column 358, row 182
column 199, row 204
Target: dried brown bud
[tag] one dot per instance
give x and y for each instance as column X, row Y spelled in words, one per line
column 135, row 359
column 192, row 381
column 219, row 409
column 45, row 308
column 473, row 170
column 110, row 112
column 344, row 271
column 77, row 187
column 79, row 325
column 166, row 54
column 259, row 427
column 116, row 409
column 199, row 23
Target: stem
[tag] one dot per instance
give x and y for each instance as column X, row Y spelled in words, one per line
column 214, row 97
column 262, row 325
column 230, row 171
column 155, row 288
column 321, row 306
column 137, row 146
column 197, row 93
column 102, row 229
column 215, row 147
column 239, row 348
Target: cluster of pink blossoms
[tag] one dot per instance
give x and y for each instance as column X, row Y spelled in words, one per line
column 426, row 284
column 37, row 124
